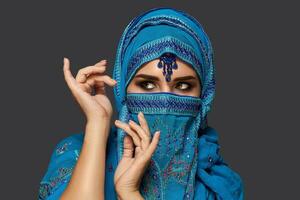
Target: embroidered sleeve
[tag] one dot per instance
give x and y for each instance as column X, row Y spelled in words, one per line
column 61, row 165
column 215, row 179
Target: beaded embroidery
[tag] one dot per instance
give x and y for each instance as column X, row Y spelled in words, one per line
column 168, row 62
column 132, row 29
column 167, row 44
column 64, row 147
column 171, row 21
column 46, row 188
column 168, row 103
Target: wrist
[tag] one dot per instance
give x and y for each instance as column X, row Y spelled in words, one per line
column 98, row 120
column 98, row 127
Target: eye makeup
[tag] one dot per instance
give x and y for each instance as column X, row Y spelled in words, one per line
column 186, row 86
column 146, row 85
column 150, row 85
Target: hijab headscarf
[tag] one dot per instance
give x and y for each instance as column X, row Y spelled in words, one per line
column 186, row 154
column 187, row 163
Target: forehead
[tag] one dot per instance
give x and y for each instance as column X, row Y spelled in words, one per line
column 151, row 68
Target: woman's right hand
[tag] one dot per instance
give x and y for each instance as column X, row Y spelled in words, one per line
column 94, row 106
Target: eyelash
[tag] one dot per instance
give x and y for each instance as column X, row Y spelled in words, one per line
column 142, row 84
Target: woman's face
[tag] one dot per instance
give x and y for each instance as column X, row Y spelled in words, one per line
column 150, row 78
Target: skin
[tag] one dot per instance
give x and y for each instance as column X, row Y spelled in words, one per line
column 189, row 86
column 87, row 181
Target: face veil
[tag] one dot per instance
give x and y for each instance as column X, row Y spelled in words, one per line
column 179, row 118
column 173, row 164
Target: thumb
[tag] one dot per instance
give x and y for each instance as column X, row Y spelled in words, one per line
column 69, row 78
column 128, row 147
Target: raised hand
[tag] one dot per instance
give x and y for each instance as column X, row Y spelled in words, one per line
column 130, row 169
column 89, row 78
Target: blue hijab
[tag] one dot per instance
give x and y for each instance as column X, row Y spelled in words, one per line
column 147, row 37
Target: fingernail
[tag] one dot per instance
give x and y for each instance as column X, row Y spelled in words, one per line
column 117, row 121
column 141, row 114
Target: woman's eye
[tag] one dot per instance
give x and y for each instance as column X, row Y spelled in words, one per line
column 184, row 86
column 146, row 85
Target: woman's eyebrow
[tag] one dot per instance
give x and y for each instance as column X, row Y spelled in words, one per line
column 146, row 76
column 182, row 78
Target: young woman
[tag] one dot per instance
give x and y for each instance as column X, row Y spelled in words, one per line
column 161, row 147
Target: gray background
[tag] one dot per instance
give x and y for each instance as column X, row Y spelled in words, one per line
column 255, row 111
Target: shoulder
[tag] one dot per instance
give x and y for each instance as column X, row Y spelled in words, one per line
column 209, row 148
column 67, row 148
column 61, row 165
column 209, row 134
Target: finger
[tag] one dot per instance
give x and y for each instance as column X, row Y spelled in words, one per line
column 98, row 80
column 100, row 63
column 139, row 130
column 142, row 134
column 70, row 80
column 128, row 147
column 153, row 145
column 144, row 123
column 137, row 152
column 127, row 129
column 84, row 73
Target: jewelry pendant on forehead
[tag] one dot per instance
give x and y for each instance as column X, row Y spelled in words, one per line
column 167, row 61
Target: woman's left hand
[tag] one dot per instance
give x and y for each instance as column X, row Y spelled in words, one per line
column 130, row 169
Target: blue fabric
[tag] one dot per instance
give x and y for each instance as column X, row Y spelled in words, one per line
column 147, row 37
column 173, row 165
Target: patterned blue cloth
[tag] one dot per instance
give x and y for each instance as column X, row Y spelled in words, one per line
column 187, row 164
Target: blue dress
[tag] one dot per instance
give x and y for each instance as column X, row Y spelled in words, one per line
column 214, row 180
column 62, row 163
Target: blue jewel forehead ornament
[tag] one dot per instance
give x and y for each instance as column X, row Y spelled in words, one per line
column 167, row 62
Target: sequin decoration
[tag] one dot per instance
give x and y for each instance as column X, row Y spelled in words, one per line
column 151, row 184
column 167, row 62
column 47, row 187
column 61, row 149
column 44, row 190
column 174, row 160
